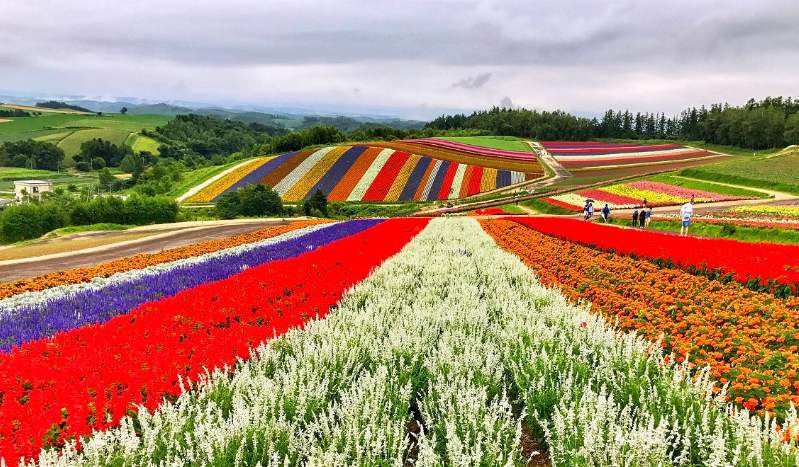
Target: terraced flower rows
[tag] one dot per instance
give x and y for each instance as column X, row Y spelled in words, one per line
column 379, row 172
column 451, row 334
column 633, row 194
column 587, row 155
column 403, row 342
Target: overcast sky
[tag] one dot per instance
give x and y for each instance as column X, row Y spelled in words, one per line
column 410, row 58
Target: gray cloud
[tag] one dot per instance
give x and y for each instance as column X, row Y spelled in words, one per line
column 247, row 50
column 476, row 82
column 507, row 103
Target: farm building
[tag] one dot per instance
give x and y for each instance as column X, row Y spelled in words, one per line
column 31, row 187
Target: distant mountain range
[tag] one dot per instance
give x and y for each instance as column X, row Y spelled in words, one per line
column 245, row 113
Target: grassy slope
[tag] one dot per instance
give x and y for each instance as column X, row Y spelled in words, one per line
column 71, row 144
column 693, row 184
column 14, row 173
column 747, row 234
column 195, row 177
column 141, row 143
column 546, row 208
column 779, row 172
column 495, row 142
column 47, row 126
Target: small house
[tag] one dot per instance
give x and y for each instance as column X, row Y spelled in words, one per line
column 31, row 187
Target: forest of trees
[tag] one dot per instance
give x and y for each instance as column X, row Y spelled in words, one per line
column 13, row 113
column 56, row 105
column 770, row 123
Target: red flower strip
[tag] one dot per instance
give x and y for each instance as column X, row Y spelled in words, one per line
column 761, row 266
column 62, row 388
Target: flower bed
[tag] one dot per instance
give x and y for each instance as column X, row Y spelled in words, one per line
column 88, row 378
column 765, row 267
column 379, row 172
column 748, row 339
column 71, row 309
column 630, row 195
column 218, row 187
column 441, row 357
column 86, row 274
column 584, row 155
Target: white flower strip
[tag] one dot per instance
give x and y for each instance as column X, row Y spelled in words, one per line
column 430, row 180
column 443, row 333
column 370, row 175
column 516, row 177
column 295, row 175
column 455, row 189
column 7, row 305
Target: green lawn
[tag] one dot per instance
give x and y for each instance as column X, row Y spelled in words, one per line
column 141, row 143
column 508, row 143
column 193, row 178
column 69, row 131
column 71, row 144
column 546, row 208
column 746, row 234
column 85, row 228
column 779, row 172
column 511, row 208
column 14, row 173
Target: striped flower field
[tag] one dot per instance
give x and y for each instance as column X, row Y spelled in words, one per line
column 413, row 170
column 409, row 342
column 585, row 155
column 633, row 194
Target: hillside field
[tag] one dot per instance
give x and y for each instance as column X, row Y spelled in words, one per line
column 405, row 170
column 777, row 171
column 69, row 131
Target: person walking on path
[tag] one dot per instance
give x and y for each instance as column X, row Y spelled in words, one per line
column 635, row 217
column 585, row 211
column 590, row 211
column 605, row 213
column 648, row 216
column 686, row 211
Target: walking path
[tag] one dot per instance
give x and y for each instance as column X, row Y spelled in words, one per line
column 544, row 157
column 186, row 233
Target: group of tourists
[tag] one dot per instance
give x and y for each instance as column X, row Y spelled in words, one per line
column 641, row 219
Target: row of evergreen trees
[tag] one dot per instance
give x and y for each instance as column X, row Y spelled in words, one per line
column 770, row 123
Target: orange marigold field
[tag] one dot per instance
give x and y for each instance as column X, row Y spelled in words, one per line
column 749, row 339
column 78, row 275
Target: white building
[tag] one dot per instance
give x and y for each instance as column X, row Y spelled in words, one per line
column 31, row 187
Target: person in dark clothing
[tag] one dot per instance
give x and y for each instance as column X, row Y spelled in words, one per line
column 635, row 218
column 605, row 214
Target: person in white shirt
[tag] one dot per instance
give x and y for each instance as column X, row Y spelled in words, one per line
column 686, row 211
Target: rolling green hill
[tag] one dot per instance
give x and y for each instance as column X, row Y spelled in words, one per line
column 69, row 131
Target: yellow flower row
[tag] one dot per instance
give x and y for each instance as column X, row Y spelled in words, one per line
column 298, row 191
column 780, row 211
column 489, row 180
column 650, row 196
column 215, row 189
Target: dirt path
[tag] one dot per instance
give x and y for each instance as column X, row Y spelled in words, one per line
column 560, row 172
column 187, row 235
